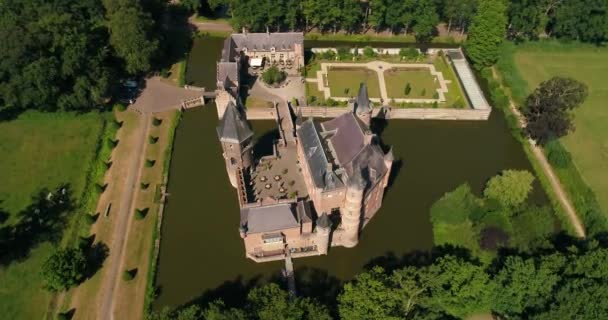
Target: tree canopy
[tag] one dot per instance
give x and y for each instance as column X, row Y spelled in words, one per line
column 547, row 109
column 487, row 32
column 64, row 269
column 511, row 188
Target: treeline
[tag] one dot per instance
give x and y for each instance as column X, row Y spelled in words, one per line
column 584, row 20
column 568, row 281
column 69, row 54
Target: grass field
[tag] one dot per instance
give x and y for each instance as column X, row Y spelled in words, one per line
column 588, row 144
column 422, row 84
column 455, row 91
column 344, row 82
column 39, row 150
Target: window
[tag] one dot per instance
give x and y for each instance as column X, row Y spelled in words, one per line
column 272, row 238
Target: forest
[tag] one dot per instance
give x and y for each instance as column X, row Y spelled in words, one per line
column 583, row 20
column 566, row 281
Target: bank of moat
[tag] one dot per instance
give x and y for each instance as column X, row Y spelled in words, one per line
column 324, row 181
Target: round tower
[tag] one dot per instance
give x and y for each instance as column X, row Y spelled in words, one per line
column 322, row 232
column 351, row 210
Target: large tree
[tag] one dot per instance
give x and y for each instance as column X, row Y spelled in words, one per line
column 525, row 19
column 486, row 33
column 585, row 20
column 547, row 109
column 64, row 269
column 425, row 20
column 510, row 188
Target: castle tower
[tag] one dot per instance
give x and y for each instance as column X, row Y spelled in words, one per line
column 362, row 106
column 351, row 210
column 388, row 162
column 322, row 233
column 235, row 137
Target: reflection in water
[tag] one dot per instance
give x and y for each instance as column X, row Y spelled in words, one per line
column 202, row 255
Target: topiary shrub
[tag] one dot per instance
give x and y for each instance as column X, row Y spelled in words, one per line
column 156, row 121
column 408, row 89
column 150, row 163
column 112, row 143
column 100, row 188
column 144, row 185
column 128, row 275
column 152, row 139
column 140, row 214
column 108, row 165
column 90, row 219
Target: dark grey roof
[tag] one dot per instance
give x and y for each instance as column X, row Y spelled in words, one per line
column 362, row 104
column 304, row 212
column 324, row 221
column 348, row 138
column 227, row 73
column 315, row 157
column 355, row 180
column 283, row 41
column 269, row 218
column 233, row 127
column 370, row 161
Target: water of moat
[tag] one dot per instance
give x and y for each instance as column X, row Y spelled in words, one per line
column 202, row 256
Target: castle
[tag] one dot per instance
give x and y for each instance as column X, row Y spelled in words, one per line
column 321, row 186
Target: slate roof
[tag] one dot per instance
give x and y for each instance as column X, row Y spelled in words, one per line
column 233, row 126
column 283, row 41
column 362, row 104
column 370, row 162
column 314, row 154
column 347, row 139
column 227, row 73
column 269, row 218
column 324, row 221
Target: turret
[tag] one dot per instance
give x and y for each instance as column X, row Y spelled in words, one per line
column 322, row 232
column 235, row 137
column 362, row 105
column 351, row 210
column 388, row 162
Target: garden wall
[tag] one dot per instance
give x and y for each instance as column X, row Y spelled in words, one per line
column 403, row 113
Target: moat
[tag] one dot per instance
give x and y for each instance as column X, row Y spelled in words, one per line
column 201, row 252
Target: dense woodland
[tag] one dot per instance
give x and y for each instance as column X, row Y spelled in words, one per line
column 69, row 54
column 584, row 20
column 567, row 281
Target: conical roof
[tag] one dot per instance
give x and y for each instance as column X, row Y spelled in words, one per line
column 356, row 180
column 324, row 221
column 233, row 126
column 362, row 102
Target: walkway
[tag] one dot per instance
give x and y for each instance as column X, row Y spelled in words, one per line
column 118, row 244
column 562, row 196
column 158, row 96
column 380, row 67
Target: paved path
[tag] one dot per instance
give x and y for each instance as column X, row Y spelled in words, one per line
column 117, row 248
column 159, row 96
column 556, row 185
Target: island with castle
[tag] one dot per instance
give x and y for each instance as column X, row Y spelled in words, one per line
column 324, row 181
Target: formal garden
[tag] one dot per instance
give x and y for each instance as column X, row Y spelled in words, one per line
column 403, row 77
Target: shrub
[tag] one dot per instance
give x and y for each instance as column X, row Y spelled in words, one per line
column 423, row 92
column 328, row 55
column 128, row 275
column 435, row 95
column 120, row 107
column 115, row 124
column 100, row 188
column 108, row 165
column 112, row 143
column 409, row 53
column 291, row 183
column 273, row 75
column 344, row 54
column 144, row 186
column 510, row 188
column 408, row 89
column 369, row 52
column 435, row 105
column 140, row 214
column 557, row 155
column 285, row 171
column 152, row 139
column 90, row 219
column 150, row 163
column 458, row 104
column 156, row 121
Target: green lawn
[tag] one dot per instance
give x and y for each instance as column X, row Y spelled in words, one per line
column 422, row 84
column 344, row 82
column 39, row 150
column 589, row 64
column 455, row 92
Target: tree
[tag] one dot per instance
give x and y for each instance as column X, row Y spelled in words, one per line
column 273, row 75
column 525, row 19
column 64, row 269
column 131, row 36
column 425, row 20
column 459, row 12
column 271, row 302
column 191, row 5
column 487, row 33
column 510, row 188
column 455, row 207
column 532, row 226
column 368, row 297
column 547, row 109
column 585, row 20
column 369, row 52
